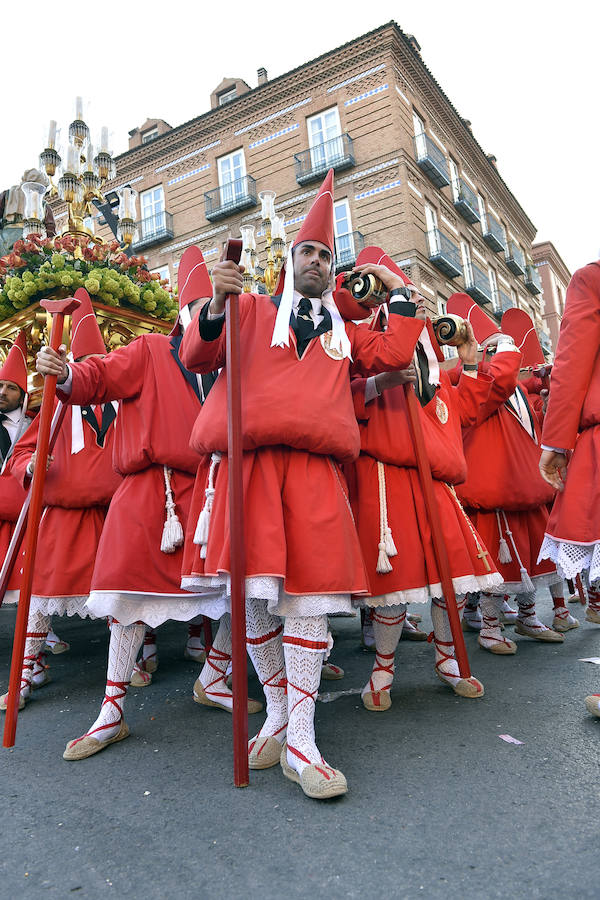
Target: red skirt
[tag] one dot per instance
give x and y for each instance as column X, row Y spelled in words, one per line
column 192, row 562
column 298, row 523
column 66, row 552
column 6, row 531
column 527, row 527
column 129, row 556
column 575, row 516
column 415, row 576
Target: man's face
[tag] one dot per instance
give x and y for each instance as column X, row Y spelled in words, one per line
column 10, row 396
column 312, row 268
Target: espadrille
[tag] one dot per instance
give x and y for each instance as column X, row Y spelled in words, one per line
column 4, row 701
column 502, row 647
column 377, row 701
column 139, row 677
column 263, row 752
column 54, row 644
column 198, row 656
column 546, row 635
column 561, row 625
column 331, row 673
column 86, row 746
column 200, row 696
column 410, row 632
column 471, row 688
column 592, row 703
column 592, row 615
column 319, row 782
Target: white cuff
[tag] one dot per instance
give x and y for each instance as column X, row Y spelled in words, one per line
column 67, row 386
column 371, row 392
column 555, row 449
column 506, row 343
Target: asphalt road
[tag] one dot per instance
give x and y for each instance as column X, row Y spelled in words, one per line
column 438, row 806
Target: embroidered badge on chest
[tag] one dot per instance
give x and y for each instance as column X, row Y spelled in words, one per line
column 441, row 410
column 326, row 345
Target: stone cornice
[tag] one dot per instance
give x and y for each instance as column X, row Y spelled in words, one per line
column 547, row 251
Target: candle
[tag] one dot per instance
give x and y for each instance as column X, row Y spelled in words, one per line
column 127, row 198
column 104, row 139
column 90, row 158
column 52, row 135
column 79, row 108
column 267, row 204
column 73, row 160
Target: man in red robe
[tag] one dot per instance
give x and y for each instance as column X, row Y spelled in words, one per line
column 136, row 577
column 79, row 486
column 572, row 424
column 303, row 557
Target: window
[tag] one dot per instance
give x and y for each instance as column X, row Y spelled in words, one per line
column 494, row 289
column 420, row 140
column 227, row 96
column 465, row 252
column 163, row 272
column 324, row 138
column 513, row 297
column 431, row 225
column 152, row 205
column 454, row 180
column 232, row 171
column 149, row 135
column 344, row 239
column 482, row 213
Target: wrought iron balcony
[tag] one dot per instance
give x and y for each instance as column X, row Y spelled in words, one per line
column 493, row 234
column 314, row 163
column 515, row 258
column 477, row 285
column 465, row 201
column 153, row 230
column 431, row 160
column 444, row 253
column 545, row 342
column 347, row 248
column 533, row 282
column 505, row 301
column 229, row 198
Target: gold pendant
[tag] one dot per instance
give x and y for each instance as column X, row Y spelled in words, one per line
column 441, row 410
column 326, row 345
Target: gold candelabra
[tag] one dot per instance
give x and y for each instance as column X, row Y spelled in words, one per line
column 273, row 226
column 82, row 175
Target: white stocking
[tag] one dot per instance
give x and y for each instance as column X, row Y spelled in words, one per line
column 265, row 649
column 445, row 661
column 388, row 622
column 125, row 642
column 149, row 654
column 527, row 614
column 304, row 647
column 38, row 626
column 214, row 672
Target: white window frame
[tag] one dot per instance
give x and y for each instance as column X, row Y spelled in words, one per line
column 327, row 145
column 341, row 245
column 454, row 179
column 431, row 228
column 514, row 298
column 420, row 139
column 227, row 96
column 494, row 288
column 465, row 252
column 152, row 213
column 231, row 189
column 483, row 214
column 150, row 135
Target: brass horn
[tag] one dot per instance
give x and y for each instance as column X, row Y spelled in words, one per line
column 450, row 330
column 367, row 290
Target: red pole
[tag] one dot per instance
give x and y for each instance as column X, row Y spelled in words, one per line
column 58, row 309
column 439, row 545
column 241, row 773
column 580, row 590
column 21, row 524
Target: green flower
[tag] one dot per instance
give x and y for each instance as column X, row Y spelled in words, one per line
column 92, row 285
column 58, row 261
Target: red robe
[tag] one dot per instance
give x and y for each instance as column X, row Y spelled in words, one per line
column 574, row 409
column 77, row 492
column 299, row 425
column 386, row 439
column 158, row 408
column 12, row 497
column 503, row 484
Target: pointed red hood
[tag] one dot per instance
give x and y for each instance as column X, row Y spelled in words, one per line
column 85, row 333
column 15, row 366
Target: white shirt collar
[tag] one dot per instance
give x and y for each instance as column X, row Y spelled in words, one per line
column 15, row 415
column 315, row 303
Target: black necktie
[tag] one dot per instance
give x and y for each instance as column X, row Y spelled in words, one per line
column 5, row 440
column 304, row 327
column 425, row 390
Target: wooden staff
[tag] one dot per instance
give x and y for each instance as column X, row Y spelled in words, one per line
column 241, row 773
column 580, row 590
column 21, row 524
column 439, row 545
column 58, row 309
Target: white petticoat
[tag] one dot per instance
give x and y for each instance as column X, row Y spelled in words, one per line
column 466, row 584
column 571, row 559
column 152, row 609
column 266, row 587
column 62, row 606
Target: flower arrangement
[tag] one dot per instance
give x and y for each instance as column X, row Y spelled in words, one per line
column 42, row 267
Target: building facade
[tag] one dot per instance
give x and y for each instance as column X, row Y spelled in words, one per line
column 555, row 279
column 410, row 175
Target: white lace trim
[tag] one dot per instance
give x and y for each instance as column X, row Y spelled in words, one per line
column 153, row 609
column 63, row 606
column 269, row 588
column 466, row 584
column 516, row 587
column 571, row 559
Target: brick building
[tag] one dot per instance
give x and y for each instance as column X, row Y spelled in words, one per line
column 410, row 175
column 555, row 278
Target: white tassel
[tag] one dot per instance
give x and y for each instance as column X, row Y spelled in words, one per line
column 383, row 563
column 203, row 526
column 504, row 555
column 528, row 585
column 390, row 547
column 172, row 535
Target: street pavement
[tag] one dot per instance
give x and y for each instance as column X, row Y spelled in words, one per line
column 438, row 805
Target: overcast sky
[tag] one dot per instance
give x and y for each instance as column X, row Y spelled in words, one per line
column 526, row 74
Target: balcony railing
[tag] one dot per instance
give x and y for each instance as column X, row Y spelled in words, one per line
column 229, row 198
column 545, row 342
column 493, row 234
column 431, row 160
column 153, row 230
column 477, row 284
column 465, row 201
column 444, row 254
column 347, row 248
column 314, row 163
column 515, row 258
column 533, row 282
